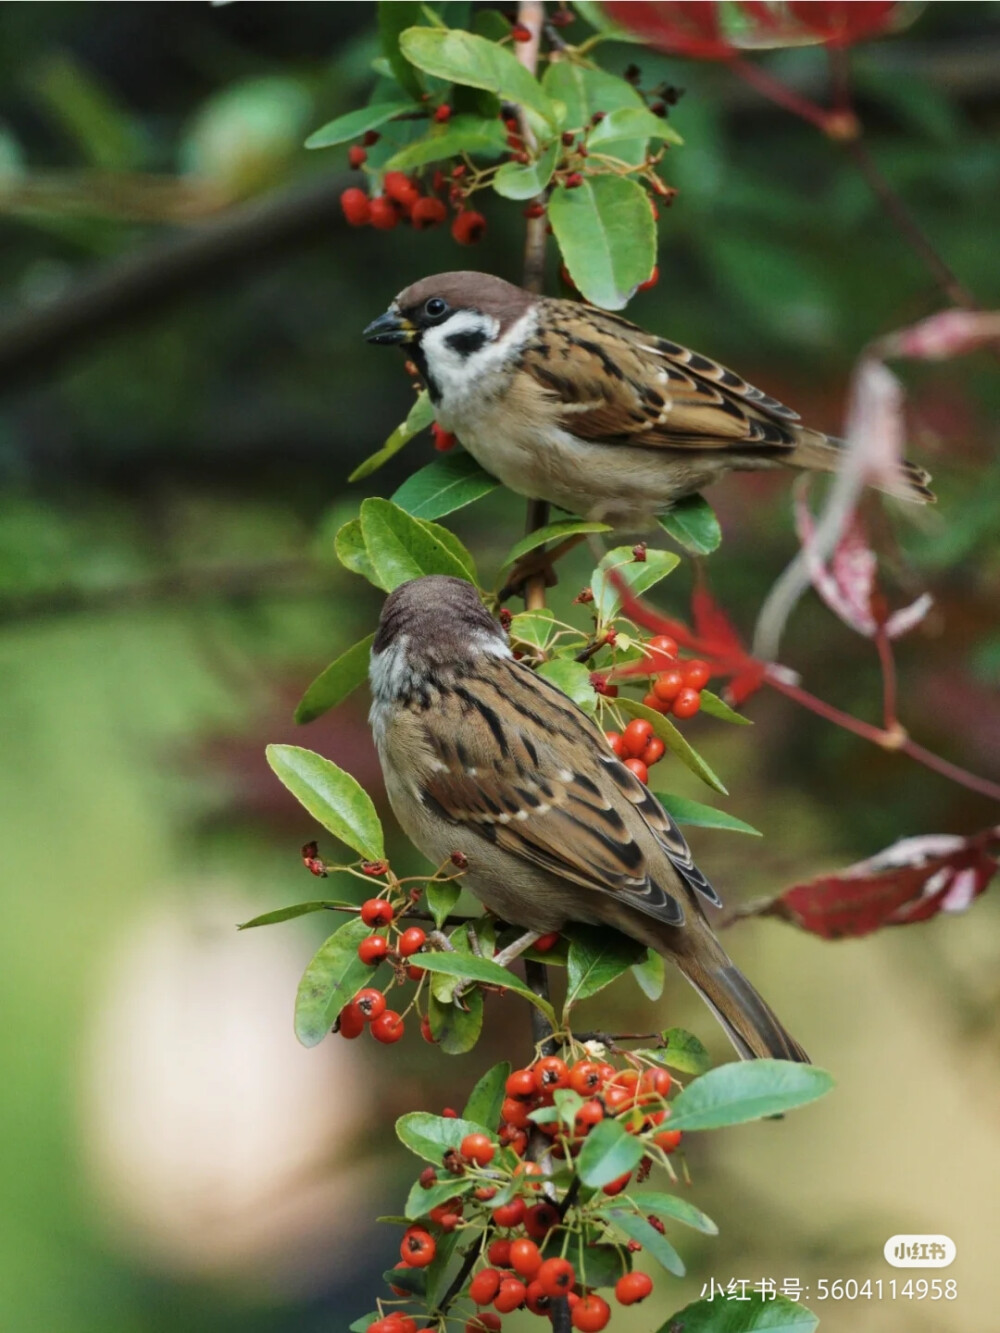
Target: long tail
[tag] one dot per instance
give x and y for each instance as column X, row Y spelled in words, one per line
column 750, row 1024
column 816, row 452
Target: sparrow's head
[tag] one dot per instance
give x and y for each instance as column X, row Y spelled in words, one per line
column 447, row 319
column 431, row 630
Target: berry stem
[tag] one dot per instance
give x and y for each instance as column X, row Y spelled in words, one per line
column 888, row 663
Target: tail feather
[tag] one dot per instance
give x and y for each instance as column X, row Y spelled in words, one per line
column 816, row 452
column 749, row 1022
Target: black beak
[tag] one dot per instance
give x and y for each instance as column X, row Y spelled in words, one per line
column 390, row 328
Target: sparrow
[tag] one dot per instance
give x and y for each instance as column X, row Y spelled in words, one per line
column 568, row 403
column 484, row 757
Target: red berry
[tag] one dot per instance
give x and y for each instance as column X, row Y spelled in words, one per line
column 535, row 211
column 589, row 1114
column 667, row 1139
column 484, row 1322
column 356, row 156
column 387, row 1028
column 509, row 1214
column 585, row 1078
column 370, row 137
column 510, row 1296
column 411, row 941
column 356, row 207
column 443, row 441
column 442, row 113
column 551, row 1073
column 668, row 684
column 536, row 1299
column 428, row 213
column 546, row 942
column 484, row 1286
column 686, row 704
column 657, row 705
column 372, row 950
column 383, row 215
column 418, row 1248
column 556, row 1277
column 525, row 1258
column 484, row 1193
column 449, row 1113
column 638, row 768
column 351, row 1022
column 614, row 739
column 540, row 1219
column 614, row 1187
column 477, row 1148
column 515, row 1112
column 696, row 674
column 632, row 1288
column 520, row 1083
column 376, row 912
column 414, row 973
column 573, row 181
column 469, row 227
column 371, row 1002
column 663, row 649
column 520, row 33
column 651, row 281
column 398, row 186
column 636, row 736
column 653, row 752
column 499, row 1253
column 657, row 1081
column 591, row 1314
column 425, row 1031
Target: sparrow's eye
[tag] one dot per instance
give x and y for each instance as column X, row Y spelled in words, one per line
column 435, row 308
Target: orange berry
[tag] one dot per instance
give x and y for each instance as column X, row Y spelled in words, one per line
column 667, row 685
column 635, row 736
column 638, row 768
column 686, row 704
column 696, row 674
column 653, row 752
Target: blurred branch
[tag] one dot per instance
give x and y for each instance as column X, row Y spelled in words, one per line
column 33, row 342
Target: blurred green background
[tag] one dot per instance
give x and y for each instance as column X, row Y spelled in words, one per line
column 184, row 393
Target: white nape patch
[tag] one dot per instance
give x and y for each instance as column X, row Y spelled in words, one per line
column 491, row 644
column 460, row 379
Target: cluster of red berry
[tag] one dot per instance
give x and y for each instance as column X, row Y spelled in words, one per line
column 368, row 1008
column 675, row 687
column 401, row 201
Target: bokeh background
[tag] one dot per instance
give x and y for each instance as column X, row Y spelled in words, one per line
column 184, row 393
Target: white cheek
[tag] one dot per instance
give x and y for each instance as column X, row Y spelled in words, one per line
column 456, row 375
column 390, row 673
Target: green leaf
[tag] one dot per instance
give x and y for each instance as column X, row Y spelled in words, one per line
column 437, row 1269
column 331, row 796
column 487, row 1096
column 393, row 17
column 713, row 706
column 597, row 956
column 630, row 122
column 362, row 1325
column 636, row 575
column 534, row 628
column 341, row 678
column 413, row 1280
column 637, row 1228
column 683, row 1051
column 747, row 1090
column 481, row 969
column 760, row 1313
column 552, row 532
column 352, row 553
column 608, row 1152
column 452, row 543
column 648, row 973
column 677, row 1209
column 430, row 1136
column 447, row 484
column 334, row 976
column 517, row 181
column 461, row 134
column 442, row 895
column 603, row 1264
column 456, row 1030
column 475, row 62
column 356, row 123
column 692, row 524
column 401, row 547
column 287, row 914
column 582, row 91
column 674, row 741
column 607, row 237
column 419, row 417
column 697, row 815
column 573, row 678
column 419, row 1201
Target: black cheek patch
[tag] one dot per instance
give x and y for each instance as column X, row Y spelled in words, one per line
column 467, row 342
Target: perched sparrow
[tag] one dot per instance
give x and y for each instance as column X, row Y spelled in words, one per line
column 484, row 757
column 568, row 403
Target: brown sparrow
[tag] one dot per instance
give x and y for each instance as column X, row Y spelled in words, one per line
column 568, row 403
column 484, row 757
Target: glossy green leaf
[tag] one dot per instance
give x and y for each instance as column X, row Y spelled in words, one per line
column 583, row 91
column 449, row 483
column 604, row 1264
column 288, row 913
column 636, row 575
column 757, row 1314
column 608, row 1152
column 597, row 956
column 352, row 553
column 419, row 417
column 419, row 1201
column 401, row 547
column 455, row 1029
column 573, row 678
column 483, row 970
column 394, row 16
column 692, row 524
column 430, row 1136
column 453, row 544
column 364, row 1323
column 747, row 1090
column 637, row 1228
column 341, row 678
column 534, row 628
column 464, row 58
column 552, row 532
column 486, row 1098
column 437, row 1270
column 713, row 706
column 515, row 180
column 335, row 975
column 355, row 123
column 413, row 1280
column 629, row 122
column 674, row 741
column 462, row 134
column 682, row 1051
column 331, row 796
column 442, row 895
column 686, row 811
column 649, row 974
column 677, row 1209
column 607, row 237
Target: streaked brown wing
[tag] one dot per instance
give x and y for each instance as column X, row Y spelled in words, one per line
column 615, row 383
column 550, row 791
